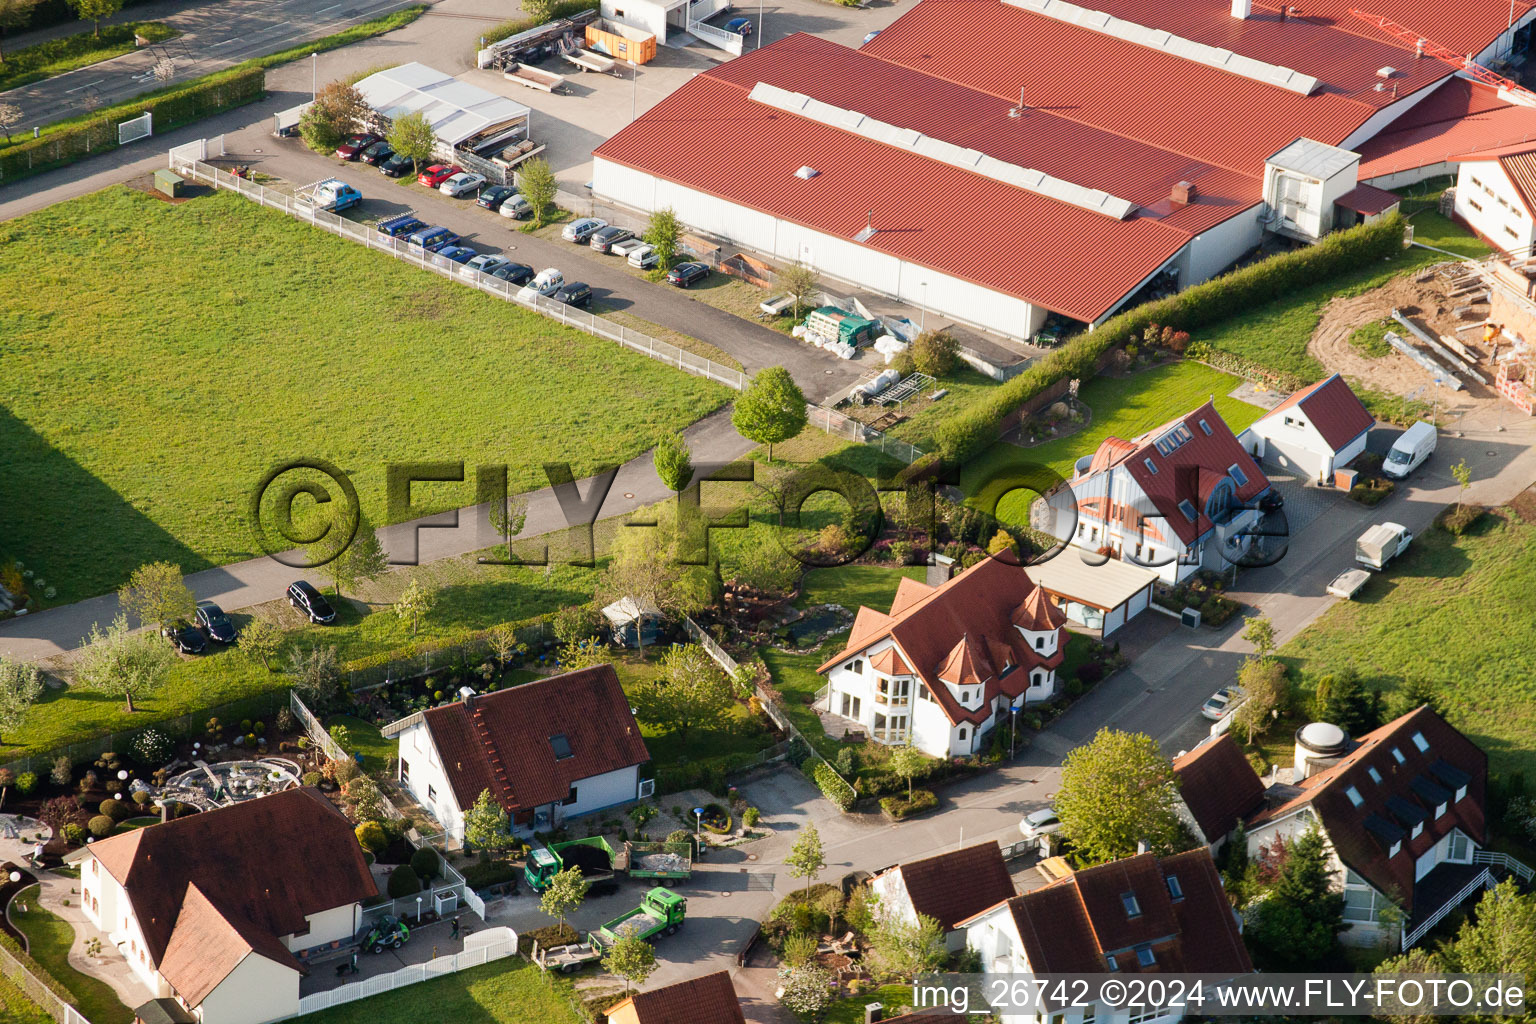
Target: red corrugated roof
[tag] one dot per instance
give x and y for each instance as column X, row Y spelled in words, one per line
column 1521, row 170
column 1459, row 119
column 1334, row 409
column 1368, row 200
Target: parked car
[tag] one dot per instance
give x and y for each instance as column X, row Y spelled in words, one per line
column 1410, row 450
column 462, row 184
column 308, row 600
column 516, row 207
column 436, row 174
column 399, row 225
column 686, row 275
column 454, row 254
column 491, row 198
column 576, row 293
column 627, row 246
column 432, row 239
column 740, row 26
column 1220, row 704
column 604, row 239
column 485, row 263
column 547, row 282
column 377, row 153
column 354, row 145
column 870, row 37
column 1039, row 823
column 1273, row 501
column 644, row 257
column 513, row 273
column 213, row 621
column 397, row 166
column 185, row 637
column 581, row 231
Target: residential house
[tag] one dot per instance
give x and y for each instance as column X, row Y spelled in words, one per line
column 547, row 751
column 1315, row 432
column 707, row 1000
column 1402, row 811
column 208, row 910
column 1217, row 789
column 947, row 663
column 949, row 888
column 1176, row 499
column 1143, row 914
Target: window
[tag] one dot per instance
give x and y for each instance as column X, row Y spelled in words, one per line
column 1292, row 421
column 1088, row 1015
column 1151, row 466
column 1039, row 643
column 1188, row 509
column 1479, row 184
column 561, row 746
column 1205, row 427
column 922, row 693
column 857, row 668
column 1237, row 475
column 1440, row 810
column 1475, row 205
column 1397, row 755
column 405, row 770
column 962, row 733
column 1359, row 905
column 1114, row 965
column 1132, row 907
column 431, row 795
column 1145, row 1015
column 1460, row 849
column 570, row 797
column 1374, row 774
column 1354, row 796
column 1420, row 742
column 1395, row 849
column 1511, row 232
column 1461, row 791
column 1145, row 956
column 1175, row 890
column 1418, row 830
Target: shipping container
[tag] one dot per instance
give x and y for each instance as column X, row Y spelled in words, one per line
column 621, row 42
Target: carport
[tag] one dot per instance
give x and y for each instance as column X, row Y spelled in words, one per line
column 1103, row 597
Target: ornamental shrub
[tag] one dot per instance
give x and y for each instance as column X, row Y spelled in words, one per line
column 151, row 748
column 900, row 807
column 312, row 779
column 102, row 825
column 74, row 834
column 832, row 786
column 116, row 809
column 426, row 863
column 26, row 783
column 403, row 881
column 142, row 797
column 371, row 837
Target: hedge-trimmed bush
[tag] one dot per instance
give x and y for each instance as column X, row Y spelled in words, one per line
column 966, row 434
column 900, row 807
column 102, row 825
column 426, row 863
column 832, row 786
column 403, row 881
column 371, row 837
column 117, row 810
column 479, row 876
column 74, row 835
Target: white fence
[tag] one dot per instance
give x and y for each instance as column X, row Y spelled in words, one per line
column 183, row 161
column 479, row 948
column 137, row 128
column 839, row 425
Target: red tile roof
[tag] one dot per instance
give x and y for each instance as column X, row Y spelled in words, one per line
column 263, row 864
column 208, row 943
column 1076, row 924
column 502, row 741
column 952, row 887
column 1333, row 407
column 1218, row 785
column 1458, row 120
column 707, row 1000
column 1404, row 785
column 961, row 631
column 1368, row 200
column 889, row 662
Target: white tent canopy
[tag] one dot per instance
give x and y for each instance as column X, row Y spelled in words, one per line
column 626, row 610
column 456, row 110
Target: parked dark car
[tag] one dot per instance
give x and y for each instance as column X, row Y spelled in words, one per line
column 1274, row 501
column 455, row 254
column 514, row 273
column 740, row 26
column 685, row 275
column 493, row 196
column 604, row 239
column 377, row 153
column 432, row 239
column 308, row 600
column 397, row 166
column 212, row 620
column 187, row 638
column 399, row 226
column 354, row 145
column 575, row 293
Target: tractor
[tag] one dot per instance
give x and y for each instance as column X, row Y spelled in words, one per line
column 389, row 933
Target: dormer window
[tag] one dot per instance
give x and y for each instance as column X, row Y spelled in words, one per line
column 1420, row 742
column 1374, row 774
column 1175, row 890
column 1397, row 755
column 1441, row 809
column 1395, row 848
column 1132, row 907
column 1145, row 956
column 1461, row 791
column 1114, row 966
column 1418, row 830
column 1238, row 476
column 1354, row 796
column 561, row 747
column 1039, row 643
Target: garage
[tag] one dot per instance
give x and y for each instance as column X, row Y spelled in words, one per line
column 1103, row 597
column 1315, row 432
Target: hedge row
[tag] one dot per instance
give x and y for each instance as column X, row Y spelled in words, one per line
column 559, row 9
column 171, row 109
column 964, row 436
column 423, row 656
column 56, row 12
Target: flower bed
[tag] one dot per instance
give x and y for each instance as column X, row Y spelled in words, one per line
column 1372, row 491
column 899, row 807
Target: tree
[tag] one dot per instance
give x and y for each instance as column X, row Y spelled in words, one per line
column 1463, row 477
column 1297, row 927
column 691, row 692
column 1418, row 692
column 20, row 686
column 13, row 14
column 508, row 519
column 316, row 675
column 580, row 654
column 1117, row 791
column 934, row 353
column 94, row 10
column 674, row 466
column 411, row 136
column 414, row 602
column 261, row 641
column 1501, row 937
column 807, row 857
column 538, row 186
column 1260, row 632
column 10, row 113
column 908, row 763
column 362, row 560
column 538, row 11
column 1418, row 960
column 771, row 409
column 800, row 282
column 1342, row 699
column 765, row 567
column 632, row 959
column 664, row 234
column 644, row 564
column 121, row 662
column 1264, row 690
column 503, row 641
column 807, row 990
column 156, row 595
column 485, row 825
column 901, row 948
column 338, row 111
column 564, row 894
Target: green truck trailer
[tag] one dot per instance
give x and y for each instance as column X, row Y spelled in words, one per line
column 600, row 862
column 661, row 912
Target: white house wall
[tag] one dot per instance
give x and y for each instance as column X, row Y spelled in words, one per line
column 1295, row 444
column 599, row 791
column 1488, row 200
column 337, row 924
column 257, row 990
column 648, row 17
column 421, row 772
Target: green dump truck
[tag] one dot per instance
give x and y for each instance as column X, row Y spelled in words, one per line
column 600, row 863
column 661, row 912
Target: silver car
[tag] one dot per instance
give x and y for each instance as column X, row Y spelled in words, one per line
column 462, row 184
column 1039, row 823
column 484, row 263
column 581, row 231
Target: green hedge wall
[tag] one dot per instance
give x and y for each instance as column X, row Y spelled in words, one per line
column 964, row 436
column 559, row 9
column 172, row 109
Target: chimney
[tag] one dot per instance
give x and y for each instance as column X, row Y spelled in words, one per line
column 873, row 1012
column 1141, row 846
column 1241, row 9
column 1183, row 193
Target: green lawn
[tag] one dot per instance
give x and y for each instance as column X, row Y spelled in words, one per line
column 364, row 738
column 1121, row 406
column 1276, row 335
column 141, row 407
column 48, row 940
column 851, row 1009
column 56, row 56
column 740, row 733
column 1416, row 621
column 510, row 991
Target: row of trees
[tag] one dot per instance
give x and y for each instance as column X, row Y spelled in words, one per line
column 14, row 14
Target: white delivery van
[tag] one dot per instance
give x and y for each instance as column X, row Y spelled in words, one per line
column 547, row 283
column 1409, row 451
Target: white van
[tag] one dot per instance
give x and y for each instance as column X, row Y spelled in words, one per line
column 1409, row 451
column 548, row 282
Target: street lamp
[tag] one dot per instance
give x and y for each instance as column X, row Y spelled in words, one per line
column 698, row 821
column 924, row 313
column 1013, row 728
column 418, row 910
column 314, row 76
column 634, row 107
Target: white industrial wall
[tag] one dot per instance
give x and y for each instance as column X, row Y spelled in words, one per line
column 1402, row 179
column 842, row 258
column 1488, row 200
column 648, row 17
column 1216, row 249
column 1378, row 121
